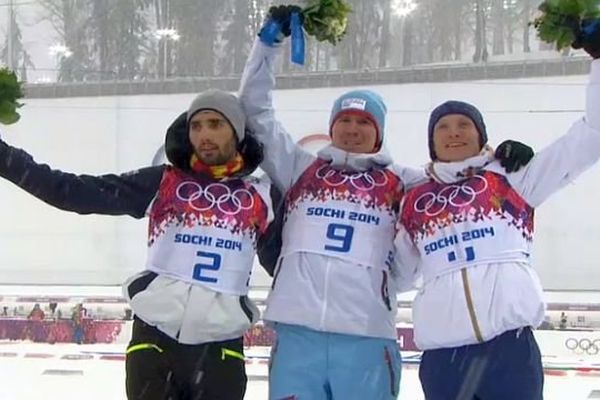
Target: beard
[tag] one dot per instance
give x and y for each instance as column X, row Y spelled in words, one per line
column 217, row 156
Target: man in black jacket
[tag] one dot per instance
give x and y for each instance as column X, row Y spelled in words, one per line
column 207, row 216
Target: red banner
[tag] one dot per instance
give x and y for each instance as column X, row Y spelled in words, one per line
column 60, row 331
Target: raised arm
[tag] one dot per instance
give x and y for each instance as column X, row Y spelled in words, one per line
column 126, row 194
column 284, row 159
column 565, row 159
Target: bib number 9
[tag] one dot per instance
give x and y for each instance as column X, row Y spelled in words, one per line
column 202, row 271
column 341, row 235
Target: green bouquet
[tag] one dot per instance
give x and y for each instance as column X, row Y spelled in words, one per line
column 326, row 20
column 10, row 92
column 560, row 20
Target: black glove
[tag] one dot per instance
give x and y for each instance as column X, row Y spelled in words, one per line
column 513, row 155
column 588, row 37
column 283, row 15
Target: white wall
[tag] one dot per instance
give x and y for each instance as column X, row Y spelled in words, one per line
column 97, row 135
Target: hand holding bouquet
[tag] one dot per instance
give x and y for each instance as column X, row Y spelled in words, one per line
column 573, row 23
column 326, row 20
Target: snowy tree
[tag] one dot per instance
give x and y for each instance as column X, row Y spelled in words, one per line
column 19, row 59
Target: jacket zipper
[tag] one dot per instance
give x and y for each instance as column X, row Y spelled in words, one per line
column 189, row 293
column 246, row 309
column 276, row 272
column 323, row 311
column 470, row 306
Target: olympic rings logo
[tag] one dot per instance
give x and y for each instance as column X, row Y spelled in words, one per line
column 215, row 194
column 585, row 345
column 359, row 180
column 462, row 195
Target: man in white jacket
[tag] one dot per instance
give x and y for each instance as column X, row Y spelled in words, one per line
column 469, row 231
column 333, row 302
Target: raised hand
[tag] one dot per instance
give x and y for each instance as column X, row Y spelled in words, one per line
column 513, row 155
column 588, row 37
column 277, row 25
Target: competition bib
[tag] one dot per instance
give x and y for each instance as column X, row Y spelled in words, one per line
column 480, row 219
column 349, row 215
column 205, row 232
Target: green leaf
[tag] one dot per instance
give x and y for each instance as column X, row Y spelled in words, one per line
column 326, row 20
column 10, row 92
column 560, row 20
column 8, row 113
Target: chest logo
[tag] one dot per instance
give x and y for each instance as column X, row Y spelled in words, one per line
column 434, row 203
column 359, row 180
column 217, row 195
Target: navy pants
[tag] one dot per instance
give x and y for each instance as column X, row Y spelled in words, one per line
column 506, row 367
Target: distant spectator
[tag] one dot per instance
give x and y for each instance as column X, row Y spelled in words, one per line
column 563, row 321
column 128, row 314
column 4, row 311
column 546, row 324
column 36, row 313
column 52, row 307
column 77, row 320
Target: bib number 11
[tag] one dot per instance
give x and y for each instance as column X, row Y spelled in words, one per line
column 341, row 235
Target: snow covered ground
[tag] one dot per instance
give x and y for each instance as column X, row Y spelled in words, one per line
column 31, row 371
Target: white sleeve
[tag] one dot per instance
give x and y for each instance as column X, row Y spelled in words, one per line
column 405, row 269
column 561, row 162
column 592, row 114
column 284, row 159
column 410, row 177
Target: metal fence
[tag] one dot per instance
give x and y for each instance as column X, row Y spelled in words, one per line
column 305, row 80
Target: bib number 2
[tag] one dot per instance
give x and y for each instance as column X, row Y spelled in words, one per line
column 341, row 236
column 204, row 270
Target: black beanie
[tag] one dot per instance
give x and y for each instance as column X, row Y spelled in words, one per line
column 456, row 107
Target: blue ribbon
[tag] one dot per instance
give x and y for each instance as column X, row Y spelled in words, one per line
column 270, row 33
column 297, row 39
